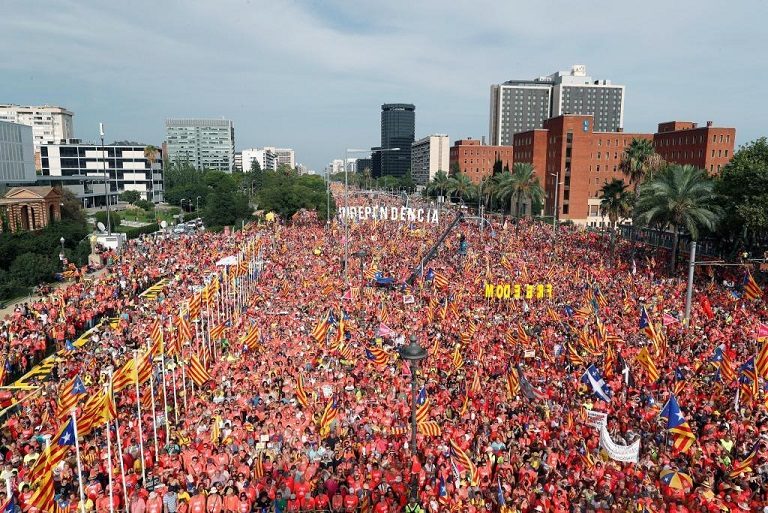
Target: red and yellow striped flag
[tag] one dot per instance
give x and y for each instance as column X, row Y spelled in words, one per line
column 301, row 394
column 197, row 372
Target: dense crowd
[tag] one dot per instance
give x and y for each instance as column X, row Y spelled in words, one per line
column 306, row 422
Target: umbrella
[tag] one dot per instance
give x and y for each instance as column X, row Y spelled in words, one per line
column 675, row 479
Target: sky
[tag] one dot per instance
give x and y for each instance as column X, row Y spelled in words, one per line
column 312, row 75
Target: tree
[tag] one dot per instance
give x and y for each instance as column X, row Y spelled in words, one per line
column 528, row 187
column 439, row 184
column 680, row 197
column 287, row 194
column 506, row 189
column 498, row 166
column 634, row 160
column 454, row 168
column 460, row 185
column 743, row 186
column 615, row 202
column 255, row 166
column 521, row 185
column 150, row 153
column 145, row 205
column 71, row 206
column 130, row 196
column 31, row 268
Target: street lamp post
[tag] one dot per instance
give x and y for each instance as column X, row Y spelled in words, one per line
column 106, row 177
column 413, row 353
column 361, row 255
column 197, row 203
column 61, row 255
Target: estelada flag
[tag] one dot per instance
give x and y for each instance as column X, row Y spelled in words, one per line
column 762, row 332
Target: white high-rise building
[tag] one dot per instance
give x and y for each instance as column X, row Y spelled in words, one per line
column 204, row 143
column 284, row 156
column 49, row 124
column 428, row 156
column 266, row 158
column 523, row 105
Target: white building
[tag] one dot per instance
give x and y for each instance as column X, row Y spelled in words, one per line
column 81, row 168
column 335, row 166
column 266, row 158
column 49, row 124
column 523, row 105
column 428, row 156
column 17, row 154
column 204, row 143
column 285, row 156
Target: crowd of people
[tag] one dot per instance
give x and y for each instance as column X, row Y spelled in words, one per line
column 313, row 414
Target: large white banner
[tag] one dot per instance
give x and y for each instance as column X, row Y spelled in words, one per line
column 625, row 453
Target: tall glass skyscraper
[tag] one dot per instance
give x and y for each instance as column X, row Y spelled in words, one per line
column 398, row 127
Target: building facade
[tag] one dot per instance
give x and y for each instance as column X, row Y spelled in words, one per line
column 266, row 158
column 283, row 156
column 49, row 124
column 476, row 160
column 239, row 161
column 428, row 156
column 398, row 129
column 17, row 154
column 80, row 168
column 523, row 105
column 362, row 164
column 29, row 208
column 204, row 143
column 707, row 147
column 569, row 151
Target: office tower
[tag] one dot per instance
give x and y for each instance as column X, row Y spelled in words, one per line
column 398, row 127
column 428, row 156
column 523, row 105
column 204, row 143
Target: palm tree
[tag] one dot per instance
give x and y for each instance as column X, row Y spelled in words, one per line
column 634, row 159
column 439, row 183
column 615, row 202
column 150, row 153
column 506, row 188
column 529, row 189
column 679, row 197
column 461, row 185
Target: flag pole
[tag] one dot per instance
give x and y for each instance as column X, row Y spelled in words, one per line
column 184, row 383
column 109, row 452
column 138, row 412
column 175, row 402
column 152, row 397
column 119, row 446
column 79, row 464
column 165, row 394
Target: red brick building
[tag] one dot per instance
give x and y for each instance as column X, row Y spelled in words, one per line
column 569, row 151
column 707, row 147
column 476, row 160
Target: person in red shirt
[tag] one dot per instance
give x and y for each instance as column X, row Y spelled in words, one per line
column 154, row 503
column 197, row 502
